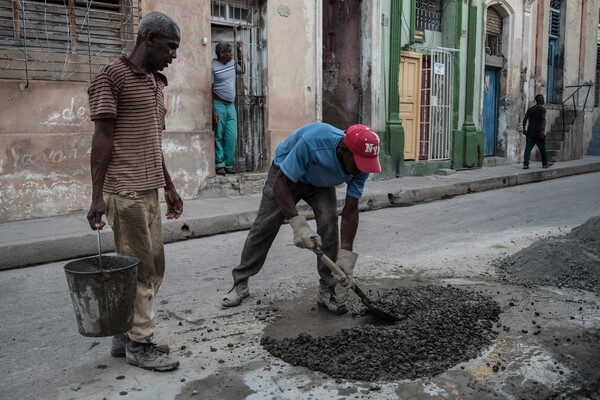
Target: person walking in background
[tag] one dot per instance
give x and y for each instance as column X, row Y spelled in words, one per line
column 534, row 129
column 128, row 167
column 308, row 165
column 224, row 70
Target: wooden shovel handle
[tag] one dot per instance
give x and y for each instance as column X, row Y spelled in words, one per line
column 363, row 296
column 330, row 264
column 334, row 268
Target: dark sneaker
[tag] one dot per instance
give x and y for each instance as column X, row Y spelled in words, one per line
column 548, row 165
column 331, row 302
column 147, row 356
column 235, row 296
column 525, row 166
column 229, row 171
column 119, row 341
column 221, row 171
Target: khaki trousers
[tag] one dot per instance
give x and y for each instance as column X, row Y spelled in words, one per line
column 136, row 223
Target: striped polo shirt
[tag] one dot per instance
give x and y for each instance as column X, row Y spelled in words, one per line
column 135, row 101
column 223, row 79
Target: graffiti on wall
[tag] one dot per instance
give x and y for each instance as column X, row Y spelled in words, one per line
column 73, row 115
column 172, row 103
column 22, row 156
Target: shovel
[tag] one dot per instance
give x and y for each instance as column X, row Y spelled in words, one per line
column 366, row 301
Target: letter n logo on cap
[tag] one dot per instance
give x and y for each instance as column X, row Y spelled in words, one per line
column 371, row 148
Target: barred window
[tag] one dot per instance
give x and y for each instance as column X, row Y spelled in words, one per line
column 66, row 40
column 554, row 26
column 233, row 12
column 493, row 33
column 429, row 15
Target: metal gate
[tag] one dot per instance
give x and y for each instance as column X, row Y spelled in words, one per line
column 240, row 20
column 440, row 108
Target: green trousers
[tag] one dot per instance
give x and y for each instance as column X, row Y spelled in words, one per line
column 541, row 144
column 225, row 134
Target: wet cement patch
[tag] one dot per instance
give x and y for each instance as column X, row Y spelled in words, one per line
column 226, row 384
column 440, row 327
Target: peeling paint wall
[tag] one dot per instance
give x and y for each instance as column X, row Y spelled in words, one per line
column 293, row 67
column 525, row 48
column 342, row 89
column 45, row 130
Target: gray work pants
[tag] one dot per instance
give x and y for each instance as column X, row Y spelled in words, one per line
column 269, row 218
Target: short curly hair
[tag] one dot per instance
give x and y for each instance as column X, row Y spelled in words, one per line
column 160, row 25
column 221, row 47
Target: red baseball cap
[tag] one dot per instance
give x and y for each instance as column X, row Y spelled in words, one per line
column 364, row 145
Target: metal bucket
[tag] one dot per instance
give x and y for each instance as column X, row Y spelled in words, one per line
column 103, row 293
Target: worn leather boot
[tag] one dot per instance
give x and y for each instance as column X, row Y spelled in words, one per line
column 119, row 341
column 235, row 296
column 335, row 304
column 147, row 356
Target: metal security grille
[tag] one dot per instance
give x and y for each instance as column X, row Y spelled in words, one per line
column 440, row 109
column 239, row 12
column 493, row 33
column 429, row 15
column 554, row 26
column 252, row 153
column 597, row 85
column 424, row 111
column 240, row 20
column 64, row 39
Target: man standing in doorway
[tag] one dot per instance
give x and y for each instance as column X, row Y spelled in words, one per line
column 535, row 131
column 128, row 167
column 224, row 70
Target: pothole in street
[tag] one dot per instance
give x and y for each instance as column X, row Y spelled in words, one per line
column 444, row 326
column 441, row 327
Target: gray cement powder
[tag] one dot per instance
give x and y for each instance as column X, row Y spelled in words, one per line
column 440, row 327
column 572, row 260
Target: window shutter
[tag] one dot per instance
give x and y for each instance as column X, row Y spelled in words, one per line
column 63, row 39
column 554, row 26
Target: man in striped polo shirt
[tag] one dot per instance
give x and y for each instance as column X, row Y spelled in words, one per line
column 128, row 167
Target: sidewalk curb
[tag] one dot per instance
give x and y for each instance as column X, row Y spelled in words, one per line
column 77, row 244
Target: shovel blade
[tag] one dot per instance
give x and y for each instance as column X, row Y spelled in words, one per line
column 377, row 311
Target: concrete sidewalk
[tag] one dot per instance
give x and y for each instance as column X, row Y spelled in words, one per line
column 61, row 238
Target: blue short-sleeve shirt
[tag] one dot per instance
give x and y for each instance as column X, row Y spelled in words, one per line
column 309, row 156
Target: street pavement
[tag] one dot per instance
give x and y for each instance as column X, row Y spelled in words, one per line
column 44, row 240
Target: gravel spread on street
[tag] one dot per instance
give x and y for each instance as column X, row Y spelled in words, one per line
column 440, row 327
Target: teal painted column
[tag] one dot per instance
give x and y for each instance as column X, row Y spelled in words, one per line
column 413, row 21
column 393, row 140
column 473, row 150
column 458, row 142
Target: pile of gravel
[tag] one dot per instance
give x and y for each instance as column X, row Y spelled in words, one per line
column 572, row 260
column 442, row 327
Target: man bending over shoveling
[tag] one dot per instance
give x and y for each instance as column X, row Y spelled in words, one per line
column 307, row 166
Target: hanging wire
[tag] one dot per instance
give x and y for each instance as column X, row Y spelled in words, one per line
column 87, row 18
column 68, row 11
column 25, row 41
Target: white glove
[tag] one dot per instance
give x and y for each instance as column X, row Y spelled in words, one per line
column 346, row 260
column 304, row 237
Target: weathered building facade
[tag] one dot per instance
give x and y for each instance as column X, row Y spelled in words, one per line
column 469, row 70
column 445, row 82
